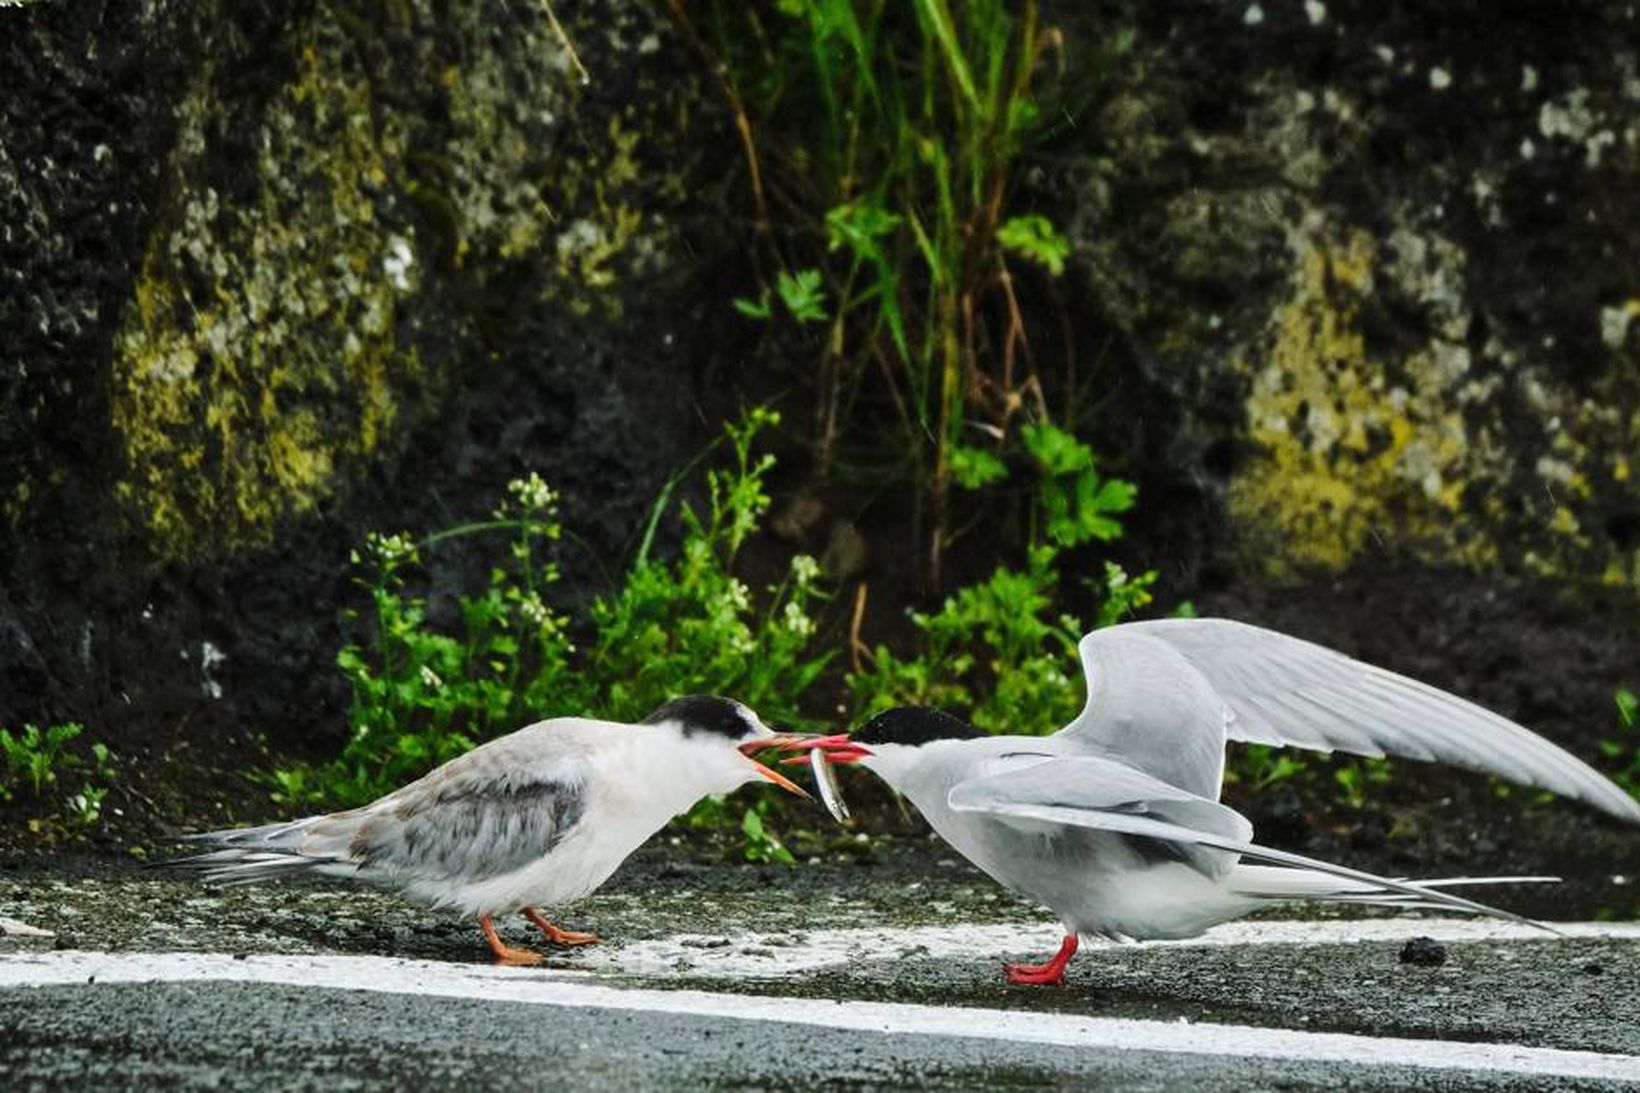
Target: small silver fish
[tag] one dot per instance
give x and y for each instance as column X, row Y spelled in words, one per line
column 825, row 779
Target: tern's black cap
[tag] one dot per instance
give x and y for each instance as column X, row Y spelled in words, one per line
column 913, row 725
column 706, row 714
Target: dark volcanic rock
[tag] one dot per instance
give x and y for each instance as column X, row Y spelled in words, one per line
column 1361, row 279
column 272, row 275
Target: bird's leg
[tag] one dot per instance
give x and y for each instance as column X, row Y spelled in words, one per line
column 504, row 953
column 558, row 936
column 1040, row 975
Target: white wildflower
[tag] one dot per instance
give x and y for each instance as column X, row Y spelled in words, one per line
column 391, row 549
column 797, row 620
column 430, row 679
column 739, row 596
column 532, row 493
column 531, row 607
column 805, row 569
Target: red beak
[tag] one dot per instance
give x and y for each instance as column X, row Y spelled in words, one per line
column 838, row 749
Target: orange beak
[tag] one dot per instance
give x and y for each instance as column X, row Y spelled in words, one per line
column 783, row 741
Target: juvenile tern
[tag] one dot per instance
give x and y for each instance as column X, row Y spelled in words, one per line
column 540, row 817
column 1114, row 821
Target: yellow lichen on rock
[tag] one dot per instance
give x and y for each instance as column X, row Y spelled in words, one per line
column 284, row 332
column 1347, row 457
column 257, row 357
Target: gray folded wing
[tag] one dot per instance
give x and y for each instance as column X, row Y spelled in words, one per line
column 1103, row 795
column 1281, row 690
column 1124, row 800
column 481, row 823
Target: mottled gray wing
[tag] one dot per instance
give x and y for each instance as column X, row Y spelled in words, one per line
column 1103, row 795
column 1284, row 691
column 473, row 824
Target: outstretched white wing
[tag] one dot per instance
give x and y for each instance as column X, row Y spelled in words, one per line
column 1143, row 677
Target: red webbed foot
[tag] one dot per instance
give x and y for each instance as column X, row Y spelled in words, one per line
column 1051, row 974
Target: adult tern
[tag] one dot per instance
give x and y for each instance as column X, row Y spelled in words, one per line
column 1114, row 821
column 540, row 817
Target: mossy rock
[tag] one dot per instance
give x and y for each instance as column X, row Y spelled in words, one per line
column 1366, row 268
column 271, row 278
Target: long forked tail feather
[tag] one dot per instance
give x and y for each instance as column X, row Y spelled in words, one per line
column 1277, row 883
column 246, row 855
column 234, row 867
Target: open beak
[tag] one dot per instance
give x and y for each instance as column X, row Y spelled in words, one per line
column 784, row 741
column 838, row 749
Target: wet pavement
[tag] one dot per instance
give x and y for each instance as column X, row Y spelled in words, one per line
column 912, row 932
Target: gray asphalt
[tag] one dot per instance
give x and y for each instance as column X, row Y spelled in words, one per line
column 1578, row 994
column 234, row 1036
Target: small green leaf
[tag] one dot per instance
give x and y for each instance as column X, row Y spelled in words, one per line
column 1034, row 237
column 754, row 309
column 802, row 295
column 973, row 468
column 1058, row 451
column 858, row 225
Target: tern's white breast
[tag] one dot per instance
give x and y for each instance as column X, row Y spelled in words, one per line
column 637, row 779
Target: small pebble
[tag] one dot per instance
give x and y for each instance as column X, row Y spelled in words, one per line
column 1425, row 952
column 1594, row 968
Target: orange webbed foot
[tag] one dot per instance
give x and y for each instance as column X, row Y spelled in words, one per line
column 505, row 954
column 558, row 936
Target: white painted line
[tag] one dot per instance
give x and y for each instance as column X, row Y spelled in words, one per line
column 772, row 955
column 548, row 988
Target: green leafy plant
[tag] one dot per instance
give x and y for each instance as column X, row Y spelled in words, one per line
column 1259, row 767
column 1623, row 752
column 759, row 843
column 1000, row 650
column 884, row 145
column 1036, row 238
column 801, row 293
column 1075, row 503
column 35, row 757
column 85, row 807
column 40, row 760
column 1349, row 781
column 1358, row 778
column 689, row 625
column 421, row 695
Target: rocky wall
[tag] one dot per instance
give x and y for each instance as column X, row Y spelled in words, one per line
column 1371, row 274
column 274, row 274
